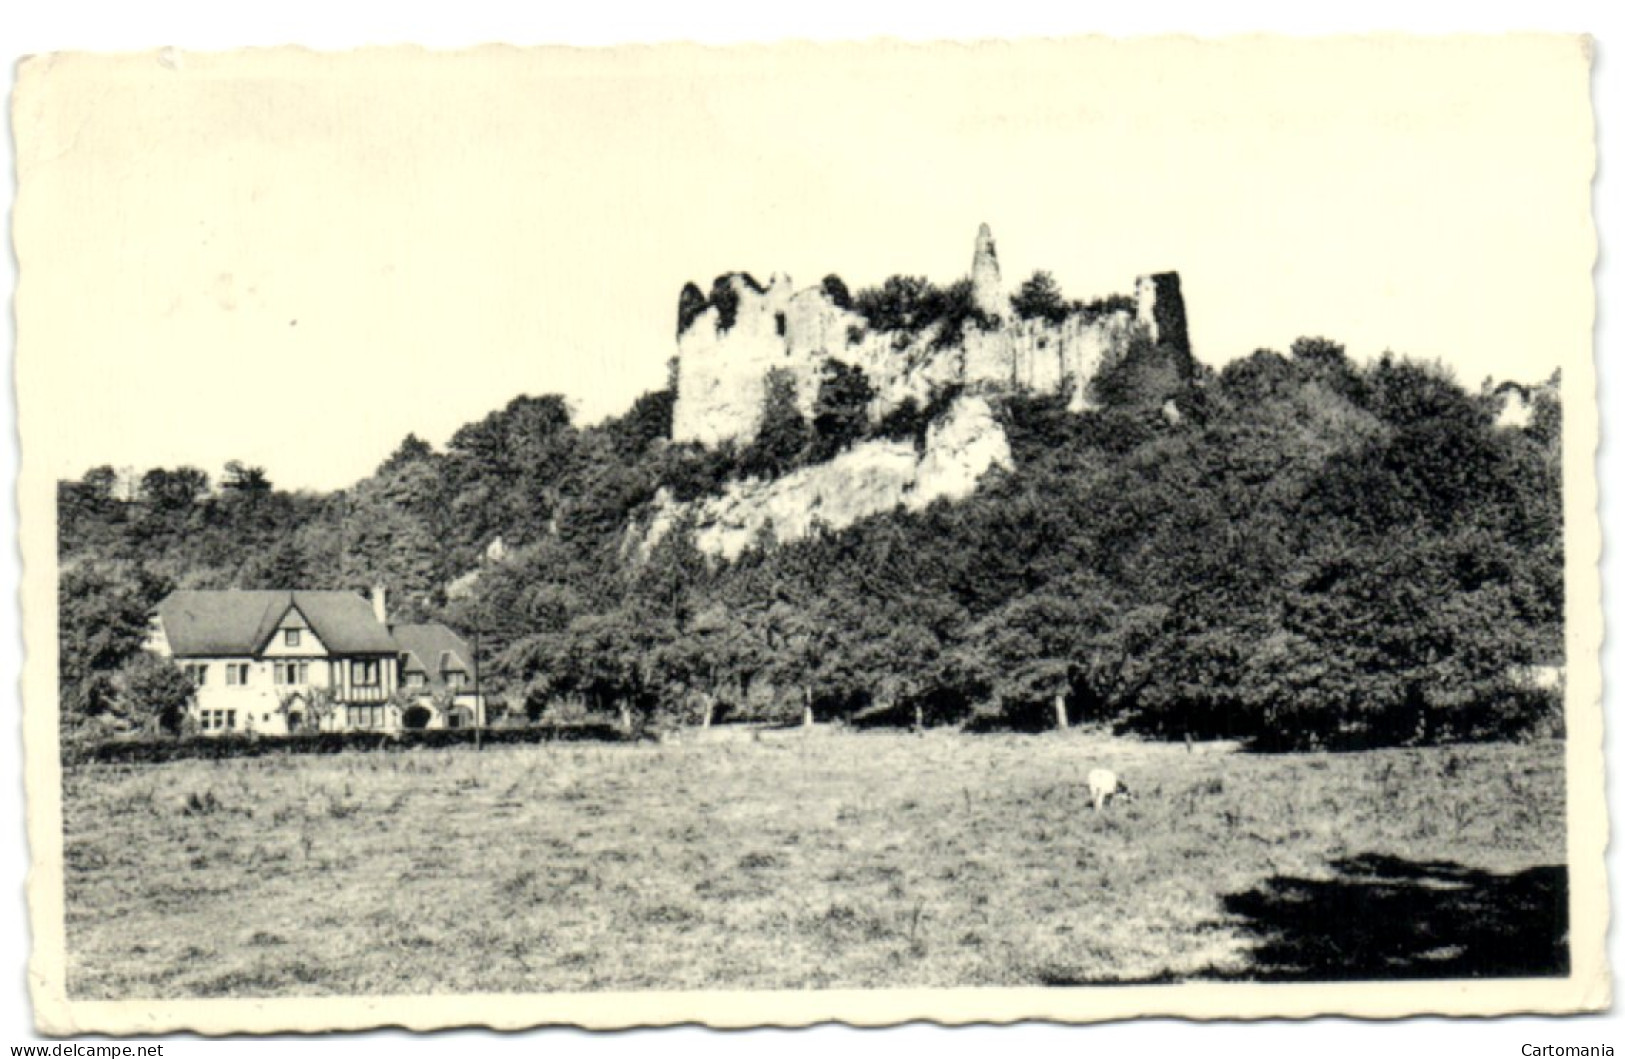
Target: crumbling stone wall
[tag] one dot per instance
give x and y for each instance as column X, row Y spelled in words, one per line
column 723, row 364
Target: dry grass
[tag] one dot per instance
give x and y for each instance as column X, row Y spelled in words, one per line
column 840, row 860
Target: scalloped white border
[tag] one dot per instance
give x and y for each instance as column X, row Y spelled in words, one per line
column 1587, row 989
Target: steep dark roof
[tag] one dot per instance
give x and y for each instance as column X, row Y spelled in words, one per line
column 432, row 650
column 239, row 622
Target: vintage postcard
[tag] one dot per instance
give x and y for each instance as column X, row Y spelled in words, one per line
column 1067, row 529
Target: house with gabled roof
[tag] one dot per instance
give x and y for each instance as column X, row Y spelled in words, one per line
column 437, row 665
column 280, row 661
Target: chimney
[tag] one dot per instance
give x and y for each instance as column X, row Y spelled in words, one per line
column 380, row 610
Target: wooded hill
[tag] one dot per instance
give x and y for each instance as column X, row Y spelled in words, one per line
column 1304, row 552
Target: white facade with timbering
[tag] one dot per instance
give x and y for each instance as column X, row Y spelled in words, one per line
column 274, row 663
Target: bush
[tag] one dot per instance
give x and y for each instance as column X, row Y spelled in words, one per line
column 783, row 433
column 955, row 307
column 909, row 422
column 726, row 301
column 902, row 303
column 1146, row 374
column 1039, row 298
column 1112, row 303
column 841, row 411
column 151, row 751
column 154, row 690
column 690, row 304
column 906, row 422
column 835, row 289
column 690, row 471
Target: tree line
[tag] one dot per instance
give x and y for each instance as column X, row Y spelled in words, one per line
column 1297, row 551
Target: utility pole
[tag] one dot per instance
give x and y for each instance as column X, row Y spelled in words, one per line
column 479, row 703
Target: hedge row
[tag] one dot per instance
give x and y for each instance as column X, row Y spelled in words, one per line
column 153, row 750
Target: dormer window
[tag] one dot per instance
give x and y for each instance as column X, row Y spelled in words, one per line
column 290, row 637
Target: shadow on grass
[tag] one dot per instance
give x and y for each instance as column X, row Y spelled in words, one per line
column 1385, row 917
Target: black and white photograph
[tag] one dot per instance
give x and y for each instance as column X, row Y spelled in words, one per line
column 1070, row 529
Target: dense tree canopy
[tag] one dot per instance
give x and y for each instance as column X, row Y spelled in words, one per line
column 1305, row 552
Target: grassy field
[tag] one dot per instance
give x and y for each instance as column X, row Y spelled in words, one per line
column 825, row 859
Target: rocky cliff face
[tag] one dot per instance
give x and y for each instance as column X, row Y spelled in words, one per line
column 730, row 343
column 871, row 478
column 724, row 353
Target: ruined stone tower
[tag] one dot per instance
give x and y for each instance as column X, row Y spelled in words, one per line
column 1160, row 308
column 986, row 286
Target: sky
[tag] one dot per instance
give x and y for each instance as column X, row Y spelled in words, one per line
column 295, row 258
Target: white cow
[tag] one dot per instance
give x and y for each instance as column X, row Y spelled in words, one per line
column 1104, row 786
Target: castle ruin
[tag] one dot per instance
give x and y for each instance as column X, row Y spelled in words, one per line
column 732, row 343
column 726, row 350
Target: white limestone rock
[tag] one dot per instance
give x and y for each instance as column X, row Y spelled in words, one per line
column 959, row 449
column 871, row 478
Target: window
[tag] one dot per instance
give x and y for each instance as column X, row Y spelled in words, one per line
column 199, row 672
column 290, row 637
column 366, row 716
column 415, row 680
column 292, row 672
column 364, row 674
column 456, row 679
column 231, row 718
column 236, row 673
